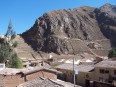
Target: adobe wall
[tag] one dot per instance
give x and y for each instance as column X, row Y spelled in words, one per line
column 43, row 74
column 13, row 81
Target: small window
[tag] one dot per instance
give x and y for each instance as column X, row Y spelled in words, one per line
column 101, row 70
column 106, row 71
column 114, row 72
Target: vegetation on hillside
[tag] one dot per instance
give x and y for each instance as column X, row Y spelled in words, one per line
column 15, row 62
column 15, row 44
column 7, row 53
column 112, row 53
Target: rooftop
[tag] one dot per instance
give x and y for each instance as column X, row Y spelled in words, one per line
column 9, row 71
column 40, row 82
column 83, row 68
column 107, row 63
column 36, row 69
column 26, row 71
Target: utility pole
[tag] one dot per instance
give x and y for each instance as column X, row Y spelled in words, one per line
column 73, row 72
column 73, row 65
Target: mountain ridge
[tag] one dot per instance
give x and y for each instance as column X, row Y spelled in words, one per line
column 73, row 31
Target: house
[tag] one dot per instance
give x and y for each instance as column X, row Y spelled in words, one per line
column 82, row 72
column 9, row 78
column 105, row 71
column 42, row 82
column 43, row 72
column 104, row 74
column 13, row 77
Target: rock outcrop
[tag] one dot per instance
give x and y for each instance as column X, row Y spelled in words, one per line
column 73, row 31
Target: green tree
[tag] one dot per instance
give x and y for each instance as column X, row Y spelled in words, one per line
column 15, row 62
column 10, row 32
column 112, row 53
column 7, row 55
column 4, row 53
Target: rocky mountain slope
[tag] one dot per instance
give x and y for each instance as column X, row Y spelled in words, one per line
column 74, row 31
column 24, row 51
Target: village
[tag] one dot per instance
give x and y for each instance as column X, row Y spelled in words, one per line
column 73, row 71
column 79, row 70
column 58, row 43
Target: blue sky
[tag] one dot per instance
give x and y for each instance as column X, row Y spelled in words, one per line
column 23, row 13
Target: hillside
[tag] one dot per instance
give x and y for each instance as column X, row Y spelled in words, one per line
column 73, row 31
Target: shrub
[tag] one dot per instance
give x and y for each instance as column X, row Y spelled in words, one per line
column 112, row 53
column 15, row 44
column 15, row 62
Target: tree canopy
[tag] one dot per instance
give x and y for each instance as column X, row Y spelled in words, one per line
column 10, row 34
column 7, row 54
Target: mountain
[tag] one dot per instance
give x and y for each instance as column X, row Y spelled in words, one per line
column 73, row 31
column 109, row 9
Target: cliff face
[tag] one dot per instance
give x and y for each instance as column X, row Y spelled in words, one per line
column 106, row 17
column 74, row 31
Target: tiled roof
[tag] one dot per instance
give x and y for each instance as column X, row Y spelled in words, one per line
column 40, row 82
column 36, row 69
column 107, row 64
column 68, row 66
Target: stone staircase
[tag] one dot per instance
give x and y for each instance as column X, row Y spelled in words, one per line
column 25, row 51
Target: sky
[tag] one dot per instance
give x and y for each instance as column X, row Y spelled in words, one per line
column 23, row 13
